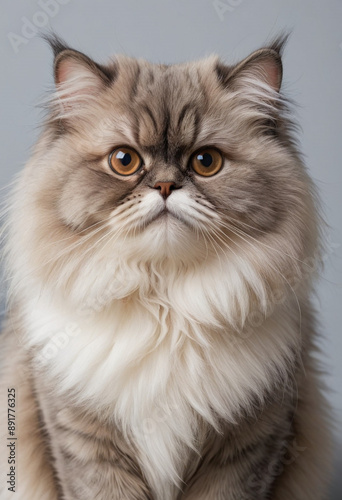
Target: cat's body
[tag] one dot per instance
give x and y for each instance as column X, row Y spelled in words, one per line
column 162, row 346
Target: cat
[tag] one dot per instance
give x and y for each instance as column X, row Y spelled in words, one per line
column 161, row 247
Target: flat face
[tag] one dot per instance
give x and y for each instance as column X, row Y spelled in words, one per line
column 182, row 125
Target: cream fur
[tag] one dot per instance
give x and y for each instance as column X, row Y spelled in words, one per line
column 152, row 325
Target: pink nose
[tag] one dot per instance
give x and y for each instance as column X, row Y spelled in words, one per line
column 165, row 188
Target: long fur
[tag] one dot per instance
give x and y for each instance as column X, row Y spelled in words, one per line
column 167, row 331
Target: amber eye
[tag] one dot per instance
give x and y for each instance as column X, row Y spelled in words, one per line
column 207, row 161
column 124, row 161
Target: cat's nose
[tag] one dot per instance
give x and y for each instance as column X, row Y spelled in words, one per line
column 166, row 188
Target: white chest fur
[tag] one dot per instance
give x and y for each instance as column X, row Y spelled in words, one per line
column 153, row 365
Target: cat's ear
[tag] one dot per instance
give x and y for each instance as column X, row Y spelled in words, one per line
column 264, row 66
column 78, row 79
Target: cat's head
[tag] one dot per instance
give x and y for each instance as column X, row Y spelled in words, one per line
column 143, row 163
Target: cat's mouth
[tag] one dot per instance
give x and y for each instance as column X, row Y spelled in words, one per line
column 164, row 216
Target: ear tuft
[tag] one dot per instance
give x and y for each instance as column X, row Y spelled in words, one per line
column 278, row 44
column 56, row 43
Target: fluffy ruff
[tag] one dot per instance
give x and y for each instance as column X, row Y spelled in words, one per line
column 166, row 329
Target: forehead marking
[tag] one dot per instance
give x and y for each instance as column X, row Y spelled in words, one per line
column 165, row 127
column 134, row 88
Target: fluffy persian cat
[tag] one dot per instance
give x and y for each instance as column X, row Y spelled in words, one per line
column 160, row 249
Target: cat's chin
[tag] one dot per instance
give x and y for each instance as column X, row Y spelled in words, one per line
column 169, row 235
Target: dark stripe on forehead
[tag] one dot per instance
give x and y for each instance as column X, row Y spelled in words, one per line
column 134, row 88
column 197, row 126
column 135, row 124
column 150, row 114
column 165, row 137
column 150, row 80
column 136, row 128
column 182, row 114
column 190, row 109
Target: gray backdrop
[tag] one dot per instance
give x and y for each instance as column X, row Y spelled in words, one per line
column 178, row 30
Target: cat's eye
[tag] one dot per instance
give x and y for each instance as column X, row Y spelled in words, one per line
column 125, row 161
column 207, row 161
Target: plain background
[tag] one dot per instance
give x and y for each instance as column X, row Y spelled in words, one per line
column 178, row 30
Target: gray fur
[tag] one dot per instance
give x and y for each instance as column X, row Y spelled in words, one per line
column 277, row 447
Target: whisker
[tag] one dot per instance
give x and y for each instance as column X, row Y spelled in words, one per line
column 281, row 252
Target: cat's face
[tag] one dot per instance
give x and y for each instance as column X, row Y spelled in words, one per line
column 183, row 162
column 182, row 126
